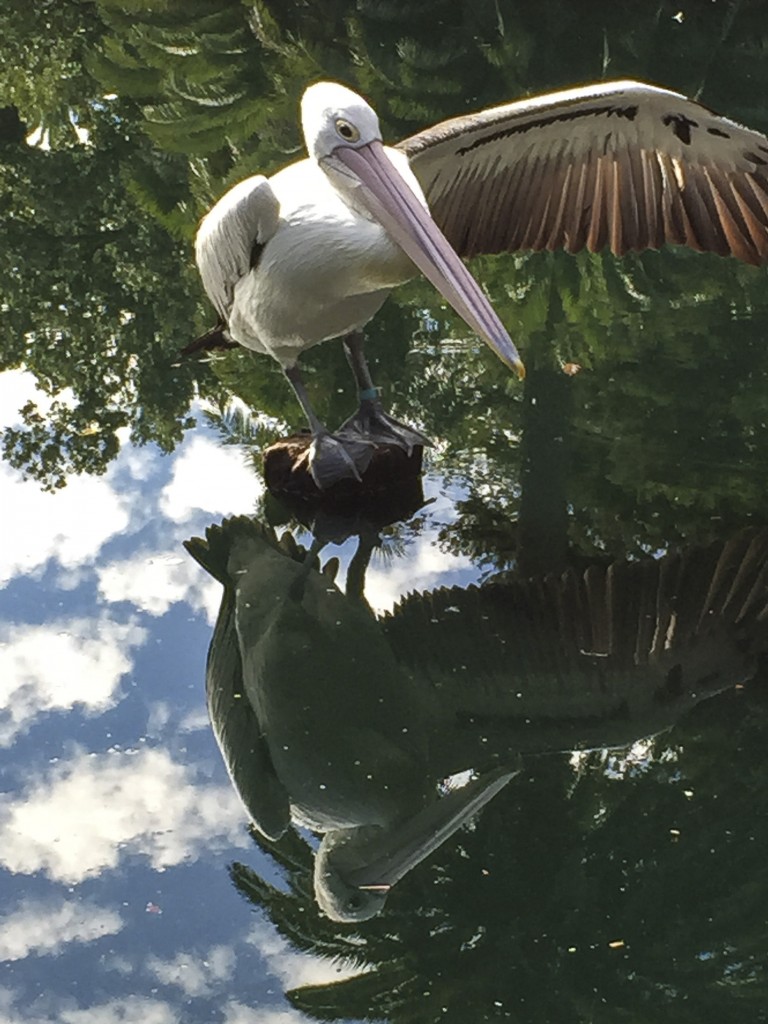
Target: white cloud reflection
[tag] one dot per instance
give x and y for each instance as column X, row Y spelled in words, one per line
column 292, row 968
column 17, row 387
column 425, row 567
column 239, row 1013
column 154, row 581
column 61, row 664
column 43, row 927
column 131, row 1010
column 70, row 526
column 209, row 477
column 78, row 818
column 58, row 665
column 196, row 974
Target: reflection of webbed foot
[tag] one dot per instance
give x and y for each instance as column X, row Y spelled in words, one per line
column 333, row 458
column 372, row 424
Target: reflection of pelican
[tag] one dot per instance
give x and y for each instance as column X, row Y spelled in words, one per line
column 315, row 717
column 349, row 723
column 356, row 867
column 311, row 253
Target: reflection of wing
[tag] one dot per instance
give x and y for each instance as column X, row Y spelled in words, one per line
column 234, row 722
column 595, row 658
column 621, row 164
column 231, row 235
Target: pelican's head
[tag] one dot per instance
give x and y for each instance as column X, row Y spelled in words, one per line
column 334, row 116
column 343, row 852
column 355, row 868
column 343, row 135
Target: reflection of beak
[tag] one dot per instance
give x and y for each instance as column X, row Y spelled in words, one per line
column 408, row 845
column 389, row 198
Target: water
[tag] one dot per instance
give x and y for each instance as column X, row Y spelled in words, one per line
column 621, row 873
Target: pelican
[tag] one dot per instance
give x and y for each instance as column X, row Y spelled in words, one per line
column 329, row 717
column 318, row 724
column 311, row 253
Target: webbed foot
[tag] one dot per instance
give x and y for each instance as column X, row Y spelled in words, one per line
column 332, row 458
column 372, row 424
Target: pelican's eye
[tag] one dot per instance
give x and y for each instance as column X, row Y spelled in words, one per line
column 347, row 131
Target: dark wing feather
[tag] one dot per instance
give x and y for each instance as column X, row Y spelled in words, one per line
column 590, row 658
column 620, row 165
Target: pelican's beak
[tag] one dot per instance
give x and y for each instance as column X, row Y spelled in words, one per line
column 388, row 197
column 408, row 845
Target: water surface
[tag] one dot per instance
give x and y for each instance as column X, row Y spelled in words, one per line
column 626, row 880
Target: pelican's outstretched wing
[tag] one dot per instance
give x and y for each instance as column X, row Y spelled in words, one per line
column 620, row 164
column 599, row 657
column 231, row 236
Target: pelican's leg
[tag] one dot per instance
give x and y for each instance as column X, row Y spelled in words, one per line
column 370, row 421
column 330, row 458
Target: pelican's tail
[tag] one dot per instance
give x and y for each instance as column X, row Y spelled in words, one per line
column 215, row 337
column 214, row 550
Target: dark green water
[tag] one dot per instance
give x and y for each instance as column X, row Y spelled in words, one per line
column 600, row 532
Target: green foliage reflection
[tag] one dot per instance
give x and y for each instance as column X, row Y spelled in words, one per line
column 179, row 100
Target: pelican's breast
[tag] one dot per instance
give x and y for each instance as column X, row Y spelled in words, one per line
column 324, row 273
column 320, row 233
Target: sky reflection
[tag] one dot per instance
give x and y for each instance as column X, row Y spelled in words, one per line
column 117, row 820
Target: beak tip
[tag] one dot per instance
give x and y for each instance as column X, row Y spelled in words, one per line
column 519, row 367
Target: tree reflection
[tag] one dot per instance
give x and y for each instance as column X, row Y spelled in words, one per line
column 206, row 97
column 88, row 304
column 662, row 432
